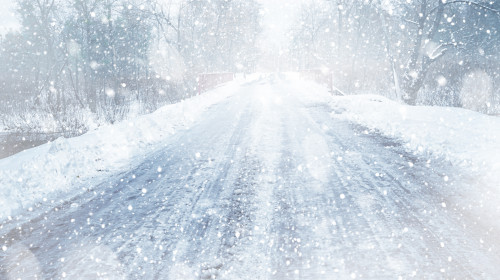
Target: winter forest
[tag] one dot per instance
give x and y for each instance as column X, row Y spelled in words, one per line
column 76, row 64
column 249, row 139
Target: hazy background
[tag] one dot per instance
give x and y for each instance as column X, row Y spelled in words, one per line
column 7, row 16
column 81, row 64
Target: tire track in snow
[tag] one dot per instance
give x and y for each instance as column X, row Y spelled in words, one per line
column 266, row 186
column 399, row 202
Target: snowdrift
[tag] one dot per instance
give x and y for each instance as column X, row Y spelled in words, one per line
column 67, row 166
column 464, row 137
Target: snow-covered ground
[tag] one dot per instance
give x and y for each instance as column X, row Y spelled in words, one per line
column 274, row 179
column 66, row 165
column 465, row 138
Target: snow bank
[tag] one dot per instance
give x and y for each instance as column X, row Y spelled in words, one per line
column 68, row 165
column 461, row 136
column 465, row 138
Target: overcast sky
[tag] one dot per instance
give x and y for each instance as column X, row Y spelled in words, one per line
column 277, row 17
column 7, row 17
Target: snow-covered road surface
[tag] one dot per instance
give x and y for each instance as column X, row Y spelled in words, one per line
column 267, row 184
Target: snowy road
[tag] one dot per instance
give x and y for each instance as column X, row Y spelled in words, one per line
column 267, row 185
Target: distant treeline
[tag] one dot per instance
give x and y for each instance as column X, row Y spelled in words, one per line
column 431, row 52
column 78, row 63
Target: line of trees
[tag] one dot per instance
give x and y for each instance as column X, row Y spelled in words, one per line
column 77, row 62
column 437, row 52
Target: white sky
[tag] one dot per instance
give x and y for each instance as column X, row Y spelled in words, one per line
column 277, row 19
column 7, row 16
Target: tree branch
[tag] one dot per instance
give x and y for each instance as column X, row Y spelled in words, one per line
column 411, row 21
column 471, row 3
